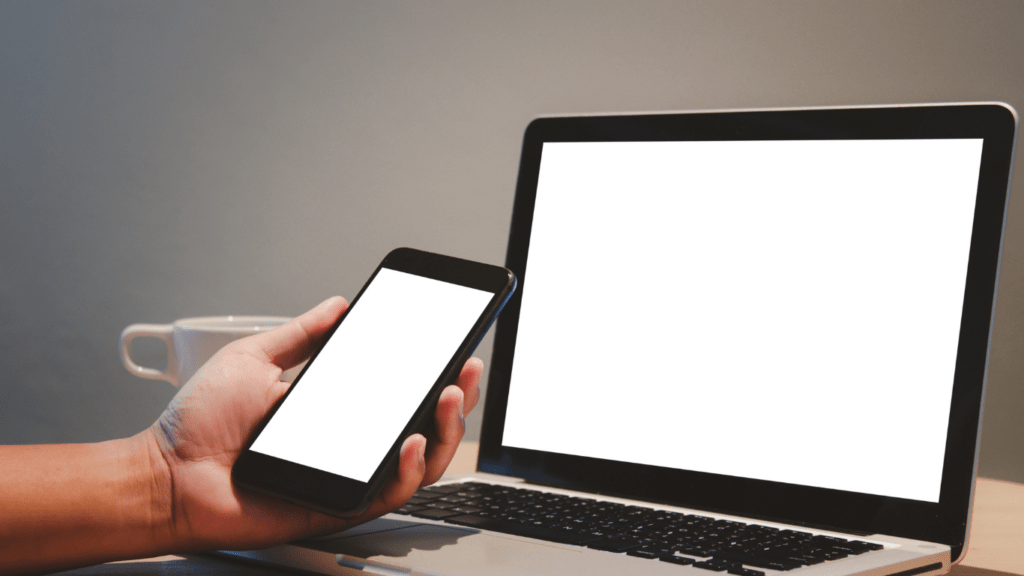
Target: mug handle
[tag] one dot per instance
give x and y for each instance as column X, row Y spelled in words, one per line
column 160, row 331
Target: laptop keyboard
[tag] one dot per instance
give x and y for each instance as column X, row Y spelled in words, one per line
column 700, row 541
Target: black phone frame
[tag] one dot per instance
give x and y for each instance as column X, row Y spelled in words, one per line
column 945, row 522
column 345, row 497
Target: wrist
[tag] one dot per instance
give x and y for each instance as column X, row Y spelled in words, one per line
column 152, row 482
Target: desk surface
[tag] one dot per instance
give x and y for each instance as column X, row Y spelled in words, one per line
column 996, row 544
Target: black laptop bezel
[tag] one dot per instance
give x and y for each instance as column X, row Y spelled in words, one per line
column 944, row 522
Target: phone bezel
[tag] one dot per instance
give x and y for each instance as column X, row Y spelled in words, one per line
column 345, row 497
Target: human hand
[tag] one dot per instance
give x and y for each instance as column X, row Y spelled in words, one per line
column 201, row 433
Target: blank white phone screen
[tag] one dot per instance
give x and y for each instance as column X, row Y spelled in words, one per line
column 359, row 393
column 786, row 311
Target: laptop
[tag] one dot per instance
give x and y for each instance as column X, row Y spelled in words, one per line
column 749, row 342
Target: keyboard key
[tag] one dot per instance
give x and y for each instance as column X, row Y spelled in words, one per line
column 409, row 509
column 713, row 566
column 758, row 561
column 614, row 544
column 741, row 571
column 434, row 513
column 854, row 547
column 541, row 533
column 676, row 559
column 649, row 551
column 694, row 550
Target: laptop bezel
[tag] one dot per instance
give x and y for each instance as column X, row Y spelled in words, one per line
column 945, row 522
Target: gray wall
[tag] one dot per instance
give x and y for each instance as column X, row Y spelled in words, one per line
column 163, row 160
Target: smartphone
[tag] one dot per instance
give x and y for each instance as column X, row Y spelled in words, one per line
column 333, row 440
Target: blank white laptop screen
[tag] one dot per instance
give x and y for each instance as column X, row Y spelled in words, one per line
column 776, row 310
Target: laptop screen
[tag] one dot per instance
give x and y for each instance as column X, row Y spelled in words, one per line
column 735, row 306
column 774, row 314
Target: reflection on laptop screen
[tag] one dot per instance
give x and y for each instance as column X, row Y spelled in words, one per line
column 775, row 310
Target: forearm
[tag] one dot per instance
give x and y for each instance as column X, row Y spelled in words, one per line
column 71, row 505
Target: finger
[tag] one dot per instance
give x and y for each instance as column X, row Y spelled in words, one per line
column 291, row 343
column 449, row 427
column 406, row 480
column 469, row 382
column 399, row 488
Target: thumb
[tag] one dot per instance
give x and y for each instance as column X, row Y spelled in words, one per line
column 294, row 341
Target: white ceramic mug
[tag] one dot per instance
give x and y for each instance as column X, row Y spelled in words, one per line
column 191, row 342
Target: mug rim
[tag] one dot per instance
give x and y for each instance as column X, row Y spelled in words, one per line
column 230, row 323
